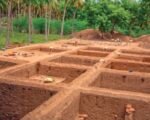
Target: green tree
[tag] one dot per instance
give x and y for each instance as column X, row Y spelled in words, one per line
column 106, row 15
column 9, row 2
column 144, row 14
column 2, row 7
column 30, row 4
column 49, row 5
column 66, row 2
column 53, row 6
column 75, row 3
column 133, row 7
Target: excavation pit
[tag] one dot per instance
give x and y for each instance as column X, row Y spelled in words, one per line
column 122, row 81
column 100, row 49
column 90, row 53
column 6, row 64
column 47, row 74
column 91, row 106
column 133, row 58
column 70, row 59
column 47, row 50
column 16, row 100
column 141, row 53
column 129, row 66
column 76, row 44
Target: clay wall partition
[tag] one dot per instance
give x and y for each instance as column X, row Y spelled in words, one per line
column 94, row 106
column 90, row 53
column 122, row 81
column 129, row 66
column 67, row 73
column 8, row 63
column 133, row 52
column 99, row 107
column 42, row 72
column 101, row 49
column 45, row 49
column 16, row 101
column 24, row 72
column 5, row 64
column 76, row 43
column 77, row 60
column 137, row 58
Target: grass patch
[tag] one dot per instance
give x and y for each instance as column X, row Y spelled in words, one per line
column 22, row 38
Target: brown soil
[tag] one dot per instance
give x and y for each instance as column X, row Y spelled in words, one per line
column 91, row 34
column 144, row 41
column 91, row 80
column 144, row 38
column 14, row 45
column 5, row 64
column 16, row 101
column 122, row 37
column 88, row 34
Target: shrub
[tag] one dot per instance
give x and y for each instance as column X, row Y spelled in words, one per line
column 21, row 24
column 39, row 25
column 55, row 26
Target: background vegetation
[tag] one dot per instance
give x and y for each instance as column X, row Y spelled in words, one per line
column 35, row 20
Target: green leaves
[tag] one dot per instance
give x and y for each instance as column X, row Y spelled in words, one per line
column 107, row 15
column 32, row 2
column 2, row 4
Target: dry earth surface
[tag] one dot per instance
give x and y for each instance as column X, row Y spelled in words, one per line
column 75, row 80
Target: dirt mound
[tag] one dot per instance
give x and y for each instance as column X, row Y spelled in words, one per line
column 122, row 37
column 144, row 41
column 88, row 34
column 91, row 34
column 144, row 38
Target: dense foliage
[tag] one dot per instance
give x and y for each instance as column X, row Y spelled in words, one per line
column 21, row 25
column 130, row 17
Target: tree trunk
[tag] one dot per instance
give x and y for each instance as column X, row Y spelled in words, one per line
column 30, row 24
column 0, row 20
column 63, row 20
column 46, row 23
column 49, row 21
column 74, row 17
column 8, row 24
column 12, row 27
column 24, row 11
column 18, row 8
column 113, row 28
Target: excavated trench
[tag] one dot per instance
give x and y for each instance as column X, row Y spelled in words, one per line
column 16, row 101
column 134, row 58
column 91, row 106
column 76, row 44
column 71, row 59
column 122, row 81
column 43, row 72
column 91, row 53
column 48, row 50
column 143, row 53
column 129, row 66
column 6, row 64
column 100, row 49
